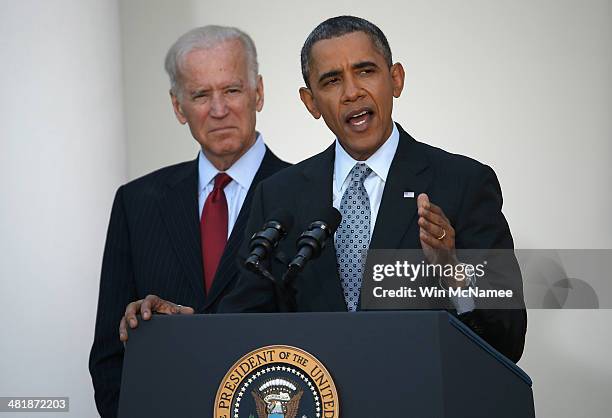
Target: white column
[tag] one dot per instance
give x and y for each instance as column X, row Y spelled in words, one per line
column 62, row 156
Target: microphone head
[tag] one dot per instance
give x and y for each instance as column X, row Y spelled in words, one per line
column 330, row 216
column 283, row 217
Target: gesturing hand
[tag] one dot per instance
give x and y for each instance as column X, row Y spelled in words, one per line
column 436, row 233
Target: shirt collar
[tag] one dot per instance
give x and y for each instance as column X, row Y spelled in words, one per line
column 242, row 171
column 379, row 162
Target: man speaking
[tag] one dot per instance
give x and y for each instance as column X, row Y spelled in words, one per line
column 392, row 191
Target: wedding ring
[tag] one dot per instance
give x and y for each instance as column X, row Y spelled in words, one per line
column 443, row 234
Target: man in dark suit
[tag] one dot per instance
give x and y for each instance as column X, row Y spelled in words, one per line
column 385, row 184
column 174, row 233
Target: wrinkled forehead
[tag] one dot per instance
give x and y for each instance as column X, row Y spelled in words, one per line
column 222, row 63
column 343, row 52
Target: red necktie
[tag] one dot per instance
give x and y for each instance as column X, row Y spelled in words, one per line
column 213, row 228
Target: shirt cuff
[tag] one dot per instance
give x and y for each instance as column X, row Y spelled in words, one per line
column 464, row 304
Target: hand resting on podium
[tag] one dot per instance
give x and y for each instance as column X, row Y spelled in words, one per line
column 145, row 307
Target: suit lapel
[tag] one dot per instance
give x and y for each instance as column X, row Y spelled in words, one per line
column 408, row 173
column 179, row 210
column 318, row 193
column 228, row 265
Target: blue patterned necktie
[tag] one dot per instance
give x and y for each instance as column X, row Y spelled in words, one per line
column 353, row 235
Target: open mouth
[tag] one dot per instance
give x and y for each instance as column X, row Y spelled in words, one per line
column 360, row 119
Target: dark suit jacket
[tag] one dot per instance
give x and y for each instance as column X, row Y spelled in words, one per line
column 466, row 190
column 153, row 247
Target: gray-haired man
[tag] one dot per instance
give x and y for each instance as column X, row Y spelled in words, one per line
column 175, row 233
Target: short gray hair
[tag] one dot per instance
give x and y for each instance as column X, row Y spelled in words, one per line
column 343, row 25
column 206, row 37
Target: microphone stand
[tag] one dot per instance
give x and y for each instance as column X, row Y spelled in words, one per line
column 288, row 291
column 284, row 294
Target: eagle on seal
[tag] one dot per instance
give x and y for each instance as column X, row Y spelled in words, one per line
column 277, row 408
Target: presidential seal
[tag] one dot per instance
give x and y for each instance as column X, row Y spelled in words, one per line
column 277, row 381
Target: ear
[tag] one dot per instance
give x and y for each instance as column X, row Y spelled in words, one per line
column 259, row 94
column 178, row 111
column 397, row 78
column 309, row 102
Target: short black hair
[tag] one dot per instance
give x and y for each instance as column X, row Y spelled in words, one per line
column 342, row 25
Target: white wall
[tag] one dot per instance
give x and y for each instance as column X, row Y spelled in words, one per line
column 523, row 86
column 63, row 155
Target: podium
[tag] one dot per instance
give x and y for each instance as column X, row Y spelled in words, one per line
column 384, row 364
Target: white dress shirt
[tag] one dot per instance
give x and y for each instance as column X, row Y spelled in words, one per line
column 242, row 173
column 379, row 162
column 374, row 184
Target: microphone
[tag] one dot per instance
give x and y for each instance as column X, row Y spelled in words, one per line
column 312, row 241
column 263, row 242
